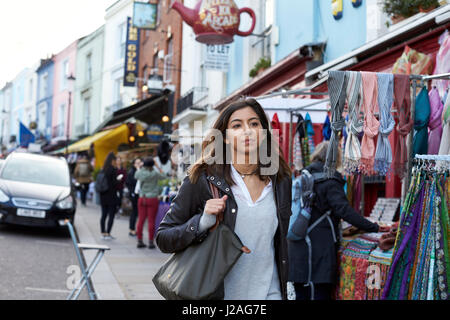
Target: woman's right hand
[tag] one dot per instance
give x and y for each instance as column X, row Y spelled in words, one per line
column 216, row 206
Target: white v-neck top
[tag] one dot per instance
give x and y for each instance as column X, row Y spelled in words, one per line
column 255, row 275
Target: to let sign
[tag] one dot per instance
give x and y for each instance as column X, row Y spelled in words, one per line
column 131, row 55
column 217, row 57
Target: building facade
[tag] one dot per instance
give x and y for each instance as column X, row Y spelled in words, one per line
column 114, row 95
column 63, row 89
column 88, row 84
column 44, row 105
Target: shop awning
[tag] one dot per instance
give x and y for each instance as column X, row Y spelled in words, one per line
column 150, row 111
column 85, row 144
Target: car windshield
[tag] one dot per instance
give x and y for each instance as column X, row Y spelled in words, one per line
column 37, row 171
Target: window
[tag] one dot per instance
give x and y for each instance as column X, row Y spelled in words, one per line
column 87, row 108
column 30, row 90
column 168, row 62
column 62, row 120
column 42, row 120
column 64, row 74
column 44, row 86
column 122, row 40
column 155, row 63
column 117, row 94
column 89, row 67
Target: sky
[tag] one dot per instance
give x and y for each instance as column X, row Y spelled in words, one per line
column 31, row 30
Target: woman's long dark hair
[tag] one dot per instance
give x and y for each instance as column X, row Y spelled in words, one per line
column 221, row 124
column 107, row 165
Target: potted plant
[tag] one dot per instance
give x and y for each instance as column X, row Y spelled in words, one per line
column 399, row 10
column 262, row 64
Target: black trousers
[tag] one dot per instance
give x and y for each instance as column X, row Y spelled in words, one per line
column 84, row 188
column 108, row 211
column 134, row 214
column 322, row 291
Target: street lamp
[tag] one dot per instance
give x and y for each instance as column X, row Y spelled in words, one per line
column 70, row 78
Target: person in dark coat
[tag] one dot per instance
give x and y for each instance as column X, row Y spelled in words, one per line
column 330, row 195
column 121, row 170
column 134, row 197
column 254, row 200
column 109, row 200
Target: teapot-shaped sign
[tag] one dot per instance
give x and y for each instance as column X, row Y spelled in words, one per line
column 215, row 21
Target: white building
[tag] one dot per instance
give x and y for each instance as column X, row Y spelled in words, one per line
column 114, row 95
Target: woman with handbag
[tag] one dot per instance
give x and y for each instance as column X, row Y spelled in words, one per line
column 254, row 201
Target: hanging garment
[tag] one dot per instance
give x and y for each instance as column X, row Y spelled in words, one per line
column 421, row 119
column 297, row 153
column 443, row 62
column 435, row 123
column 301, row 130
column 445, row 141
column 352, row 154
column 371, row 124
column 337, row 85
column 326, row 131
column 277, row 131
column 383, row 154
column 402, row 102
column 310, row 132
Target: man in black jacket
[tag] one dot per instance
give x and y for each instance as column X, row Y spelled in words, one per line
column 134, row 197
column 330, row 195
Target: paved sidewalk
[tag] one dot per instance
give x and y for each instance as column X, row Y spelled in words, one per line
column 125, row 272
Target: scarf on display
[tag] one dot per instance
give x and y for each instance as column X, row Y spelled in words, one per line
column 326, row 131
column 301, row 130
column 445, row 141
column 383, row 154
column 421, row 119
column 310, row 132
column 371, row 124
column 435, row 124
column 337, row 84
column 276, row 127
column 402, row 102
column 352, row 154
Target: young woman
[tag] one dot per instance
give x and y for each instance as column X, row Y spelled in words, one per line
column 330, row 195
column 255, row 204
column 148, row 200
column 131, row 186
column 109, row 199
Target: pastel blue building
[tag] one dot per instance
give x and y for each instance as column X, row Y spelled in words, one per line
column 44, row 106
column 290, row 25
column 18, row 101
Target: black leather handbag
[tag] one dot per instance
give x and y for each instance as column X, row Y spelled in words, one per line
column 198, row 272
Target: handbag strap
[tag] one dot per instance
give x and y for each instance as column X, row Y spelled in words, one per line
column 216, row 195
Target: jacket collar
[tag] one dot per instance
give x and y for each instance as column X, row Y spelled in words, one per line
column 220, row 183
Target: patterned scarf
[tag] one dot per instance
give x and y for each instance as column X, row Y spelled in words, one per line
column 371, row 124
column 383, row 154
column 352, row 153
column 402, row 102
column 422, row 116
column 337, row 83
column 435, row 124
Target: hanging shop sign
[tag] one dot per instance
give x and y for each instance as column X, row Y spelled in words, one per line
column 337, row 9
column 145, row 15
column 356, row 3
column 217, row 57
column 155, row 133
column 131, row 55
column 215, row 21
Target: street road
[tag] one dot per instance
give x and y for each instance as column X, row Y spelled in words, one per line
column 34, row 263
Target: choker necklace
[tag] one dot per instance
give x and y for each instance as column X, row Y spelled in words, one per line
column 243, row 175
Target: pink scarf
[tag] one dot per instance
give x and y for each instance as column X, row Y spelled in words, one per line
column 435, row 123
column 371, row 124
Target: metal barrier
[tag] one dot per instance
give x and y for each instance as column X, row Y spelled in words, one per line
column 85, row 271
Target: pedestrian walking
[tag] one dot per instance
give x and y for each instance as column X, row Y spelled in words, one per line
column 163, row 159
column 255, row 202
column 134, row 197
column 148, row 202
column 83, row 176
column 109, row 198
column 121, row 170
column 329, row 195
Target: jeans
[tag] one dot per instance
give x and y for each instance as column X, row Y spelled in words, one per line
column 147, row 208
column 134, row 213
column 108, row 211
column 84, row 188
column 322, row 291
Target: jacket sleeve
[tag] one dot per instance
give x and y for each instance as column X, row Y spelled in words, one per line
column 180, row 226
column 340, row 206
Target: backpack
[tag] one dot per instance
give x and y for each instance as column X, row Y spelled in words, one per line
column 83, row 170
column 101, row 184
column 304, row 198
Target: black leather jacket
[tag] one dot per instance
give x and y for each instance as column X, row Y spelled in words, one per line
column 180, row 227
